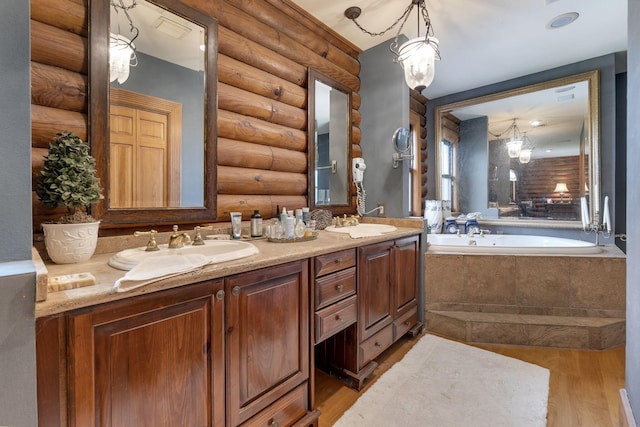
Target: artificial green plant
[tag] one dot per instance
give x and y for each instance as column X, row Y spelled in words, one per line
column 69, row 178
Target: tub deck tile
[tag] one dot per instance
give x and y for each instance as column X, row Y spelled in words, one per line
column 594, row 333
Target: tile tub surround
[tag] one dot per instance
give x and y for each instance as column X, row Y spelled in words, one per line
column 555, row 300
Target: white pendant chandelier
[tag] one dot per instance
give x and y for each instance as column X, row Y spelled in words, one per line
column 514, row 144
column 121, row 57
column 417, row 56
column 122, row 54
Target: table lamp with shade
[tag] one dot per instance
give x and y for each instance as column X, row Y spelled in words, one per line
column 561, row 188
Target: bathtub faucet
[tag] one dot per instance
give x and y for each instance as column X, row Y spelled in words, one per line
column 597, row 228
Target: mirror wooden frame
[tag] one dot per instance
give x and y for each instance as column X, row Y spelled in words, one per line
column 99, row 120
column 593, row 80
column 313, row 76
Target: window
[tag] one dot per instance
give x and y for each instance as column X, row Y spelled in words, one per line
column 447, row 172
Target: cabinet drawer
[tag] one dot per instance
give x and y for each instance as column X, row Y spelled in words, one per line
column 335, row 318
column 284, row 412
column 329, row 263
column 371, row 348
column 405, row 322
column 335, row 287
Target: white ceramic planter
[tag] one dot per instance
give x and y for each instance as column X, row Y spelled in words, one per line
column 71, row 243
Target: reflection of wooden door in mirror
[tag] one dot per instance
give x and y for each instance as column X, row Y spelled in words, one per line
column 144, row 149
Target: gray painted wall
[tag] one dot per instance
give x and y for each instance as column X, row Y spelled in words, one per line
column 472, row 160
column 17, row 276
column 608, row 66
column 384, row 108
column 633, row 204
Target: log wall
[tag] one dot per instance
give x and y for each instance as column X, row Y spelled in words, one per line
column 538, row 179
column 264, row 50
column 417, row 104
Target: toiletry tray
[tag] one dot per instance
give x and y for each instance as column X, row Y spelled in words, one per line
column 296, row 240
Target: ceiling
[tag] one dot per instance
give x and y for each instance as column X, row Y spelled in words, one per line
column 484, row 42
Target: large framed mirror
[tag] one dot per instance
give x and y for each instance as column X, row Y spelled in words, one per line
column 525, row 154
column 329, row 109
column 152, row 111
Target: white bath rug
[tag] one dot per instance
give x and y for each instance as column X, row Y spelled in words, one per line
column 443, row 383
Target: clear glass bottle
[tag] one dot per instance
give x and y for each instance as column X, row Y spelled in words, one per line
column 300, row 228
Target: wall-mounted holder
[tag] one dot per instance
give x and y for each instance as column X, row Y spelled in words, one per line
column 399, row 157
column 333, row 166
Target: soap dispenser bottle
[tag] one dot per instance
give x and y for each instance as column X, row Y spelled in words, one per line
column 256, row 224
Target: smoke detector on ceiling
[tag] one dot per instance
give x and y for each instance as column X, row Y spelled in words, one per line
column 562, row 20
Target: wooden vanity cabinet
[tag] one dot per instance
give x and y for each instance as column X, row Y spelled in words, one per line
column 387, row 301
column 228, row 352
column 152, row 360
column 268, row 346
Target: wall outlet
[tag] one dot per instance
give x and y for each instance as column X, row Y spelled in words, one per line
column 381, row 209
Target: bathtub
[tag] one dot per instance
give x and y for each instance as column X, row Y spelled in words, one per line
column 508, row 244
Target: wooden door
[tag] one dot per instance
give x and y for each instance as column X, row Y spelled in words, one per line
column 405, row 273
column 375, row 297
column 144, row 151
column 154, row 360
column 267, row 337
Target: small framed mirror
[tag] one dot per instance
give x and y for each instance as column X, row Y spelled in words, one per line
column 329, row 144
column 402, row 140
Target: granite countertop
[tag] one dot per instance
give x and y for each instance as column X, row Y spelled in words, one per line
column 270, row 254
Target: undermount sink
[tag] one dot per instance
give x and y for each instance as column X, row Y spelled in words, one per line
column 217, row 250
column 362, row 230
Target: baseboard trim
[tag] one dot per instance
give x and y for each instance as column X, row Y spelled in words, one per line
column 626, row 414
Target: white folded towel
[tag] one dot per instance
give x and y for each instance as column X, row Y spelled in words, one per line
column 159, row 267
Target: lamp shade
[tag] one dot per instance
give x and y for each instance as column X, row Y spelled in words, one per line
column 513, row 148
column 417, row 58
column 525, row 155
column 561, row 187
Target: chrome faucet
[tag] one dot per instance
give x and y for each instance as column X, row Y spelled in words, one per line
column 178, row 240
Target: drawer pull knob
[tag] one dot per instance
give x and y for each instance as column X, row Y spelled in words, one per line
column 377, row 344
column 274, row 424
column 407, row 323
column 339, row 288
column 235, row 291
column 220, row 295
column 340, row 318
column 339, row 261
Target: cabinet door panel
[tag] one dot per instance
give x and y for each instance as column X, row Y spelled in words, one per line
column 267, row 337
column 149, row 362
column 375, row 297
column 406, row 273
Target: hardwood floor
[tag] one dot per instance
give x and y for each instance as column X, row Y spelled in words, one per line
column 583, row 387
